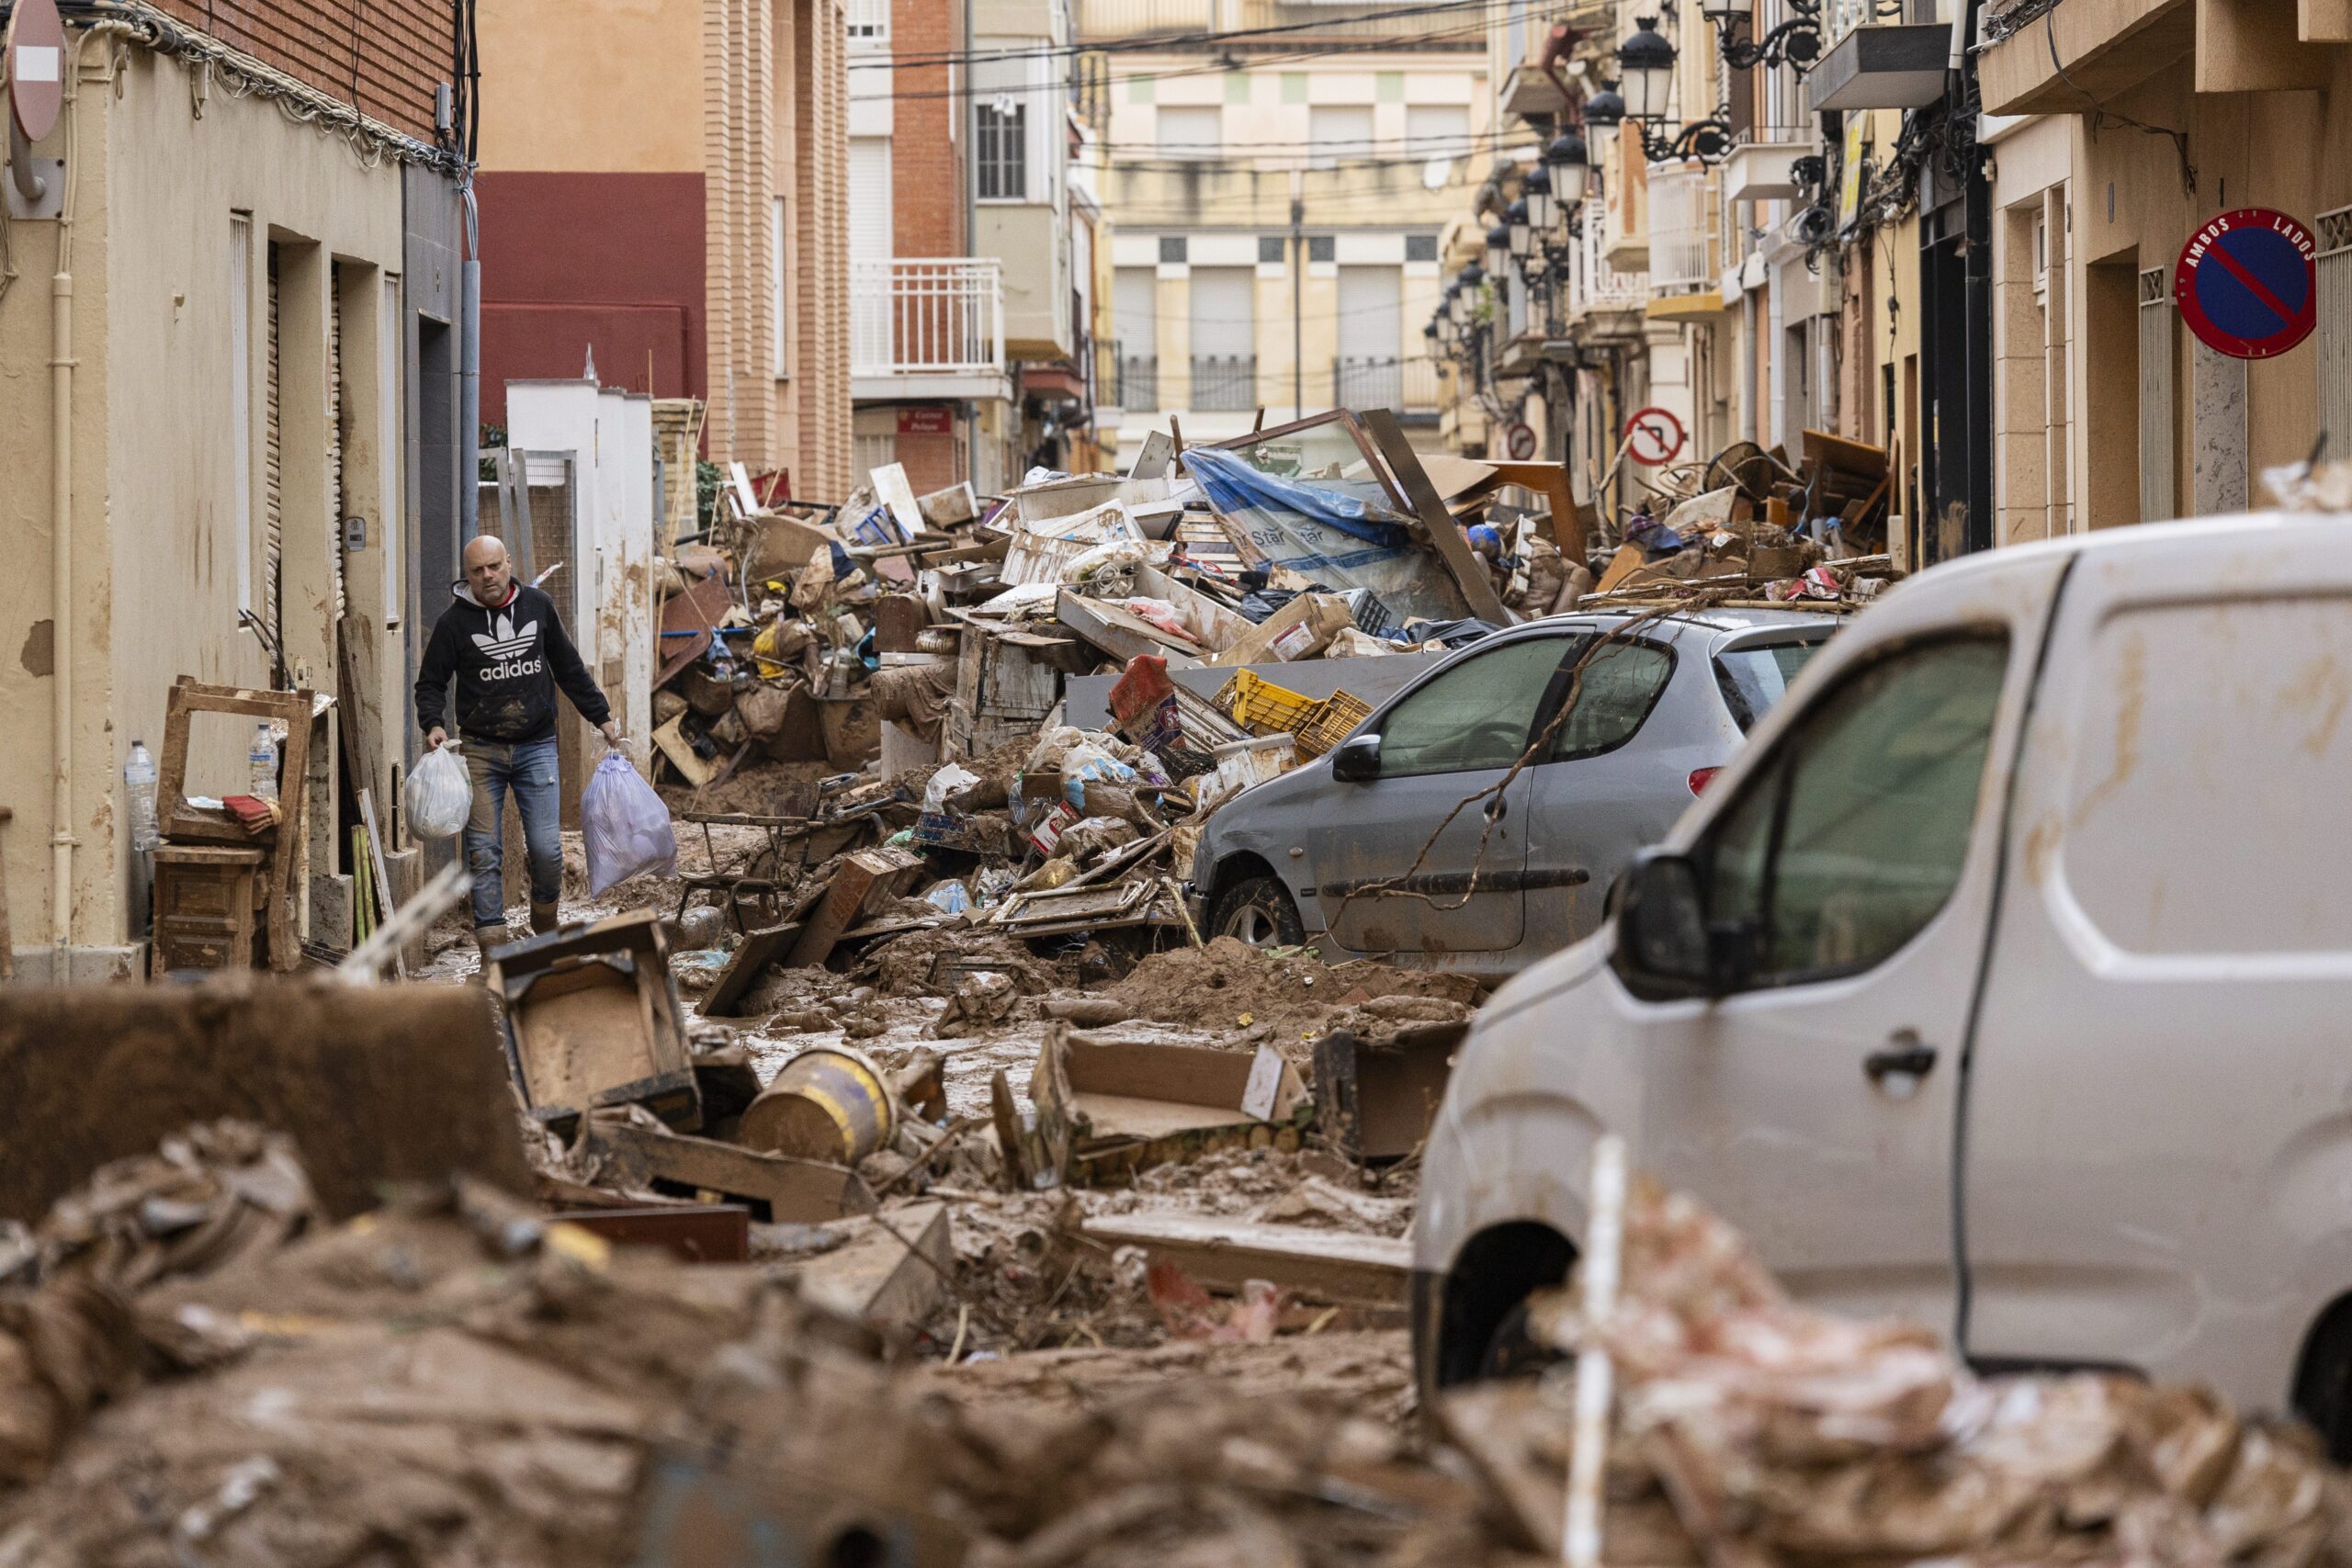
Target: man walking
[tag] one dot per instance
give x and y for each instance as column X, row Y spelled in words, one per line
column 505, row 645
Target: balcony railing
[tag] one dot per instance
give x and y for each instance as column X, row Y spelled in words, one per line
column 1406, row 386
column 1225, row 382
column 1682, row 227
column 1593, row 284
column 1134, row 380
column 927, row 316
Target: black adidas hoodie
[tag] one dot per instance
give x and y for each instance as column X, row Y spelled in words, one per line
column 507, row 661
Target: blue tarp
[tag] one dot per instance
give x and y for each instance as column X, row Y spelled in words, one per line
column 1325, row 534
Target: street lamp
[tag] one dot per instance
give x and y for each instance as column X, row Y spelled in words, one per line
column 1517, row 228
column 1535, row 190
column 1794, row 43
column 1499, row 250
column 1567, row 163
column 1646, row 70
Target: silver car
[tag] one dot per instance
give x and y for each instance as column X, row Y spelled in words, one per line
column 1421, row 839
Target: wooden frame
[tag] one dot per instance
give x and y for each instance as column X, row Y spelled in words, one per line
column 1354, row 427
column 181, row 823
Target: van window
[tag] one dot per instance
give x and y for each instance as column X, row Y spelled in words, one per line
column 1840, row 849
column 1473, row 715
column 1621, row 684
column 1752, row 678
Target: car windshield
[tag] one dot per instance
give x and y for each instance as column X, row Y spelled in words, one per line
column 1753, row 678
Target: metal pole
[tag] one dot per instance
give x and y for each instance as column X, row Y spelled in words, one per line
column 1297, row 273
column 470, row 383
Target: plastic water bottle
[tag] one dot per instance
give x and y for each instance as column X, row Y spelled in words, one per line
column 138, row 773
column 264, row 757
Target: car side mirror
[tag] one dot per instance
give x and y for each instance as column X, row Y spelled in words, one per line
column 1663, row 947
column 1356, row 760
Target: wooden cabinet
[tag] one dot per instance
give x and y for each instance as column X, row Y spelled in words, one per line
column 208, row 900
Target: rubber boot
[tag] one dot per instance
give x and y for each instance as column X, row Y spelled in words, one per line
column 487, row 937
column 544, row 917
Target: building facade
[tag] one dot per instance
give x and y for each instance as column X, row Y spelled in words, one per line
column 665, row 186
column 1277, row 197
column 229, row 318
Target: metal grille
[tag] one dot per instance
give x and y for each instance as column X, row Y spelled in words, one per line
column 2336, row 331
column 1682, row 210
column 1135, row 384
column 1225, row 382
column 2156, row 356
column 1406, row 385
column 927, row 315
column 336, row 430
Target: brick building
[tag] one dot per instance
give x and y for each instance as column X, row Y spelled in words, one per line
column 665, row 184
column 232, row 312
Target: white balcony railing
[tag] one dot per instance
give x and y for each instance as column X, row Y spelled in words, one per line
column 1593, row 284
column 869, row 24
column 926, row 316
column 1682, row 227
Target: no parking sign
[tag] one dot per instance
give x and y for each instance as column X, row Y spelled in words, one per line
column 2246, row 283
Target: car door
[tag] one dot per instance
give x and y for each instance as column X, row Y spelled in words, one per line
column 2159, row 1154
column 1428, row 857
column 1601, row 791
column 1846, row 875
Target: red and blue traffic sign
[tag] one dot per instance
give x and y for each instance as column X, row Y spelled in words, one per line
column 2246, row 283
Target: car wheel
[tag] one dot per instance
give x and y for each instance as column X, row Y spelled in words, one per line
column 1258, row 912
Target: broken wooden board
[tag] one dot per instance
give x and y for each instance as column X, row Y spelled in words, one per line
column 890, row 1273
column 1107, row 1106
column 689, row 621
column 1469, row 573
column 671, row 740
column 1339, row 1268
column 1113, row 904
column 1120, row 632
column 865, row 879
column 1377, row 1101
column 797, row 1191
column 755, row 952
column 593, row 1020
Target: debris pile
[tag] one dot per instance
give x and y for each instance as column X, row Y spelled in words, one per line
column 460, row 1377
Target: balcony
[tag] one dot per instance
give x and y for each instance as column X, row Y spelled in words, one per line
column 1682, row 228
column 1594, row 286
column 1225, row 383
column 927, row 327
column 1406, row 387
column 2073, row 57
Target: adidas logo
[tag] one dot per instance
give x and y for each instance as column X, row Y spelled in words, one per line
column 507, row 669
column 504, row 641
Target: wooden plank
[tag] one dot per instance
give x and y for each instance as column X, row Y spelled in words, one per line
column 1550, row 481
column 383, row 884
column 1468, row 575
column 797, row 1191
column 890, row 1273
column 755, row 952
column 864, row 879
column 1336, row 1266
column 671, row 738
column 1121, row 633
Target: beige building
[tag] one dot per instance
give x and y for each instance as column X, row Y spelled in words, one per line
column 1276, row 205
column 234, row 330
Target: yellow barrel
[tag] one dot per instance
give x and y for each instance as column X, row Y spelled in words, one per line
column 828, row 1103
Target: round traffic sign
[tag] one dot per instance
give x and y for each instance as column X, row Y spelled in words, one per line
column 34, row 62
column 2246, row 283
column 1652, row 436
column 1519, row 442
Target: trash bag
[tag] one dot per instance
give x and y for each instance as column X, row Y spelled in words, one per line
column 439, row 794
column 625, row 825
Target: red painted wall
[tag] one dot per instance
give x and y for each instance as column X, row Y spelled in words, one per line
column 571, row 261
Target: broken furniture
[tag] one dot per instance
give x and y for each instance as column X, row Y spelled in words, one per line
column 629, row 1156
column 1376, row 1101
column 593, row 1020
column 208, row 903
column 1339, row 1268
column 1107, row 1107
column 284, row 848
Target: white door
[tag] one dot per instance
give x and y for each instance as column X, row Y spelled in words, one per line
column 872, row 341
column 1849, row 869
column 2159, row 1169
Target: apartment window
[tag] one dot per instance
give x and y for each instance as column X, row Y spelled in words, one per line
column 1420, row 247
column 1190, row 130
column 1336, row 132
column 1002, row 145
column 777, row 346
column 1322, row 248
column 1224, row 338
column 1171, row 250
column 1271, row 248
column 1437, row 130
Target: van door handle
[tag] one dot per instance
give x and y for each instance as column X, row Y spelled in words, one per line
column 1904, row 1053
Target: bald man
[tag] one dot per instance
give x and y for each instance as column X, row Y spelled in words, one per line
column 503, row 645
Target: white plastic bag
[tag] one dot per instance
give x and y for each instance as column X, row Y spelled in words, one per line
column 625, row 826
column 439, row 794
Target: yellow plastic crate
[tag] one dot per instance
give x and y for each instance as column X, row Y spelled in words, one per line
column 1332, row 719
column 1261, row 706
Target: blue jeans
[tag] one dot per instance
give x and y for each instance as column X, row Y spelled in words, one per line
column 529, row 768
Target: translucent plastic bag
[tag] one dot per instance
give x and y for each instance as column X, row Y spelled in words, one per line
column 625, row 825
column 439, row 794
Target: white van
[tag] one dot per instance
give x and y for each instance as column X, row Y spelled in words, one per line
column 2004, row 983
